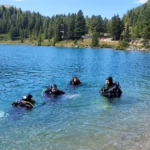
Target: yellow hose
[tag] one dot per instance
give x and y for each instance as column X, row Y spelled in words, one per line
column 43, row 91
column 28, row 103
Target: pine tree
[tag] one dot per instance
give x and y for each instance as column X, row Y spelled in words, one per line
column 79, row 25
column 13, row 33
column 39, row 40
column 116, row 27
column 45, row 33
column 71, row 26
column 95, row 40
column 50, row 32
column 88, row 21
column 57, row 29
column 21, row 35
column 145, row 33
column 105, row 25
column 126, row 35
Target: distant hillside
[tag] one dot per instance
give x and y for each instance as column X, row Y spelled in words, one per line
column 19, row 25
column 7, row 6
column 139, row 21
column 16, row 24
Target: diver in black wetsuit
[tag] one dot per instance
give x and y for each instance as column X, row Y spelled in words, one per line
column 75, row 81
column 111, row 89
column 25, row 101
column 53, row 91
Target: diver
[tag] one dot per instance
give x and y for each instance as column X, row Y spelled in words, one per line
column 75, row 81
column 53, row 91
column 25, row 101
column 111, row 89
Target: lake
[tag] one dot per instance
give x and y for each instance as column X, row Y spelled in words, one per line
column 81, row 119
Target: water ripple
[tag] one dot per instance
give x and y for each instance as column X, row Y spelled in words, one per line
column 81, row 119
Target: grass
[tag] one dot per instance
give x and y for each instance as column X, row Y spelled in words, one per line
column 87, row 43
column 65, row 43
column 106, row 44
column 4, row 39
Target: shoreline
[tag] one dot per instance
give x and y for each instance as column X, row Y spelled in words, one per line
column 86, row 43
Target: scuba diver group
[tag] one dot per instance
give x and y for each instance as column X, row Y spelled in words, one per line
column 110, row 90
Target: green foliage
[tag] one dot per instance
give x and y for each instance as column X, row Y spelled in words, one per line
column 22, row 40
column 126, row 34
column 106, row 45
column 146, row 30
column 21, row 25
column 53, row 42
column 146, row 43
column 39, row 40
column 95, row 40
column 75, row 41
column 138, row 20
column 105, row 25
column 122, row 45
column 71, row 26
column 13, row 33
column 96, row 24
column 115, row 27
column 80, row 28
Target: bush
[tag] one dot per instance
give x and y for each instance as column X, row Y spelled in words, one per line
column 122, row 45
column 75, row 41
column 95, row 41
column 146, row 43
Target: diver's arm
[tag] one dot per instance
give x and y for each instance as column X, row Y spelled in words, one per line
column 79, row 81
column 32, row 101
column 102, row 90
column 15, row 104
column 113, row 88
column 61, row 92
column 47, row 91
column 69, row 83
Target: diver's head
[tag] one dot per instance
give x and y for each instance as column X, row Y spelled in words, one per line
column 109, row 81
column 54, row 88
column 29, row 96
column 75, row 79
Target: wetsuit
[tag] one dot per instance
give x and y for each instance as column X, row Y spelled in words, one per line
column 27, row 103
column 75, row 83
column 112, row 90
column 48, row 92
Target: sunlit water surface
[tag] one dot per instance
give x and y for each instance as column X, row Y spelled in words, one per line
column 81, row 119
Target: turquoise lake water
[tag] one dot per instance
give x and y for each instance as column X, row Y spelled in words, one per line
column 81, row 119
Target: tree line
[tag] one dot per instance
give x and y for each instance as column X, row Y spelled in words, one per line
column 137, row 22
column 20, row 25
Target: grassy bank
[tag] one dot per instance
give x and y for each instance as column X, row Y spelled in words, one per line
column 87, row 43
column 65, row 43
column 71, row 43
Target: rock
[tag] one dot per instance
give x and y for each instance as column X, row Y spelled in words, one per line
column 132, row 48
column 76, row 46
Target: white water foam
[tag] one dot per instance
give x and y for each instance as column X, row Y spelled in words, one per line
column 72, row 96
column 3, row 114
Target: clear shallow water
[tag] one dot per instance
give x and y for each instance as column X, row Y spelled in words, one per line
column 81, row 119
